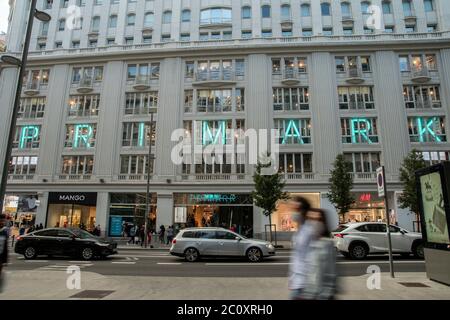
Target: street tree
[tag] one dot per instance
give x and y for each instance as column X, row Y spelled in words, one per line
column 268, row 189
column 341, row 184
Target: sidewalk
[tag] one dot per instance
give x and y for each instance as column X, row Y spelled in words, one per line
column 52, row 285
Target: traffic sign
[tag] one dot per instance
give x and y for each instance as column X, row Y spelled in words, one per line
column 380, row 181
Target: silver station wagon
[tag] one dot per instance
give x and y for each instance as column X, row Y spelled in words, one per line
column 193, row 243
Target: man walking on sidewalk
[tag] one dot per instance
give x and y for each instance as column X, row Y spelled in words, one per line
column 3, row 247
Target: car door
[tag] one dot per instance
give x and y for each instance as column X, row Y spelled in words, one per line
column 400, row 241
column 47, row 242
column 376, row 232
column 206, row 242
column 227, row 245
column 66, row 242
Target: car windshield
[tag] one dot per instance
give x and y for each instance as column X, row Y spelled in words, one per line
column 84, row 234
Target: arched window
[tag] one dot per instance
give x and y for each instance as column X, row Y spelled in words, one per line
column 387, row 8
column 365, row 7
column 285, row 12
column 326, row 9
column 306, row 10
column 95, row 24
column 246, row 12
column 131, row 19
column 346, row 9
column 167, row 17
column 407, row 8
column 186, row 15
column 265, row 11
column 149, row 18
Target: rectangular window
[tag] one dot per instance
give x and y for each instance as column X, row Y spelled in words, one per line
column 295, row 163
column 27, row 137
column 307, row 32
column 87, row 75
column 84, row 106
column 293, row 131
column 240, row 99
column 422, row 97
column 246, row 34
column 23, row 165
column 141, row 103
column 80, row 136
column 434, row 157
column 427, row 129
column 364, row 162
column 137, row 134
column 31, row 108
column 359, row 130
column 77, row 165
column 354, row 98
column 290, row 99
column 214, row 100
column 266, row 33
column 188, row 100
column 135, row 164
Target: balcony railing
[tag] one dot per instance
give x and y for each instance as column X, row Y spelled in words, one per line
column 354, row 76
column 213, row 177
column 214, row 78
column 364, row 176
column 299, row 176
column 141, row 111
column 31, row 88
column 75, row 177
column 20, row 177
column 420, row 75
column 142, row 82
column 133, row 177
column 85, row 85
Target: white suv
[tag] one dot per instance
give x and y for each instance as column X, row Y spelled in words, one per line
column 357, row 240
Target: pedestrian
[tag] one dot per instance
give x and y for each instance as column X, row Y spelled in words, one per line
column 142, row 235
column 3, row 247
column 312, row 273
column 30, row 229
column 132, row 235
column 170, row 234
column 162, row 231
column 99, row 231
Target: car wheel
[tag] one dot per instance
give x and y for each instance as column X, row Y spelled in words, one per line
column 191, row 254
column 87, row 253
column 358, row 251
column 254, row 255
column 418, row 251
column 30, row 253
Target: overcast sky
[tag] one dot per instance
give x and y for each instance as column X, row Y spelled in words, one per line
column 4, row 11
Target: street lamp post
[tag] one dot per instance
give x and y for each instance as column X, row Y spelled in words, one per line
column 42, row 16
column 147, row 198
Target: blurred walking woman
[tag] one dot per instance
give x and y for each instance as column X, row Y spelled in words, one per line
column 312, row 273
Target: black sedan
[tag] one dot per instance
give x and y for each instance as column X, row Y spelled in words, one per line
column 64, row 242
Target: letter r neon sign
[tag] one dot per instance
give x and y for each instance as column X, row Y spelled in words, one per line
column 28, row 133
column 358, row 130
column 83, row 133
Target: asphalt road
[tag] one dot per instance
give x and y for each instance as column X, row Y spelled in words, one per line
column 161, row 263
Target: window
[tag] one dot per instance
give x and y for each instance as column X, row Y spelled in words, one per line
column 410, row 28
column 293, row 131
column 64, row 3
column 58, row 45
column 354, row 98
column 41, row 46
column 422, row 97
column 365, row 64
column 115, row 1
column 295, row 163
column 93, row 43
column 348, row 31
column 327, row 32
column 77, row 165
column 432, row 28
column 137, row 134
column 48, row 4
column 247, row 34
column 346, row 10
column 141, row 103
column 239, row 67
column 23, row 165
column 44, row 29
column 61, row 24
column 129, row 41
column 427, row 129
column 429, row 5
column 286, row 33
column 87, row 75
column 95, row 24
column 285, row 12
column 340, row 64
column 214, row 100
column 434, row 157
column 167, row 17
column 81, row 3
column 84, row 106
column 246, row 12
column 185, row 37
column 359, row 130
column 266, row 33
column 365, row 8
column 110, row 41
column 75, row 44
column 135, row 164
column 224, row 235
column 386, row 7
column 27, row 137
column 188, row 100
column 186, row 15
column 148, row 19
column 265, row 11
column 407, row 8
column 147, row 39
column 305, row 10
column 143, row 70
column 80, row 136
column 325, row 9
column 389, row 29
column 290, row 99
column 189, row 69
column 240, row 99
column 363, row 162
column 215, row 16
column 113, row 21
column 165, row 38
column 131, row 19
column 307, row 32
column 98, row 2
column 36, row 79
column 31, row 108
column 404, row 63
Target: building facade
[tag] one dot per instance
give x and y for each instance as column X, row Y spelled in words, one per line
column 369, row 79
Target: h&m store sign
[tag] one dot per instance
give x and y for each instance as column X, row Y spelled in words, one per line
column 81, row 198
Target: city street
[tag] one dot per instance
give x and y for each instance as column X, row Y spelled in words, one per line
column 161, row 263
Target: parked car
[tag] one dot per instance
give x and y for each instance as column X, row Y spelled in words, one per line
column 357, row 240
column 193, row 243
column 64, row 242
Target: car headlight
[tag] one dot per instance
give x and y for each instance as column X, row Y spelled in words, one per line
column 269, row 246
column 103, row 244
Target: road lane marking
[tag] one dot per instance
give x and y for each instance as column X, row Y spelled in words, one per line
column 36, row 261
column 170, row 263
column 288, row 263
column 123, row 262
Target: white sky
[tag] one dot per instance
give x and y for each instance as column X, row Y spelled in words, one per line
column 4, row 12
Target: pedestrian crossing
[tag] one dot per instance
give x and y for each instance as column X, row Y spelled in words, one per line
column 65, row 266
